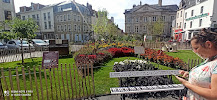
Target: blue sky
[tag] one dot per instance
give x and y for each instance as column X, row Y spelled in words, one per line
column 115, row 8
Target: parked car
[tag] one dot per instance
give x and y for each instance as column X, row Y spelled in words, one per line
column 47, row 41
column 3, row 47
column 40, row 44
column 16, row 44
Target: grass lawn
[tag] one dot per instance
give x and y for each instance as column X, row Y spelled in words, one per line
column 184, row 55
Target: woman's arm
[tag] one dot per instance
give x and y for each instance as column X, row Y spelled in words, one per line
column 207, row 93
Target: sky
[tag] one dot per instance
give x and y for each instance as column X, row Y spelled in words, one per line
column 115, row 8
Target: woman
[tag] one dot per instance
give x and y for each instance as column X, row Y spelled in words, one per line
column 202, row 83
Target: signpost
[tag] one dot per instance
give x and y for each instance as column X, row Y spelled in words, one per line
column 139, row 50
column 50, row 59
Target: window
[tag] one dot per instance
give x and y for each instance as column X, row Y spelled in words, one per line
column 186, row 15
column 69, row 27
column 38, row 23
column 79, row 28
column 154, row 18
column 192, row 12
column 58, row 28
column 84, row 28
column 59, row 9
column 180, row 25
column 62, row 28
column 61, row 18
column 200, row 22
column 201, row 9
column 163, row 18
column 33, row 16
column 84, row 20
column 181, row 14
column 48, row 15
column 177, row 15
column 172, row 17
column 28, row 16
column 69, row 17
column 45, row 25
column 23, row 17
column 145, row 19
column 177, row 25
column 144, row 28
column 189, row 36
column 6, row 1
column 137, row 19
column 78, row 18
column 191, row 24
column 136, row 29
column 64, row 17
column 185, row 25
column 74, row 17
column 75, row 27
column 49, row 24
column 65, row 27
column 44, row 16
column 57, row 18
column 37, row 16
column 8, row 15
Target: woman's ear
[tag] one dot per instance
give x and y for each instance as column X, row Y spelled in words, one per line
column 208, row 44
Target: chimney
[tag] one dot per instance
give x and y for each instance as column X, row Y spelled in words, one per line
column 134, row 5
column 140, row 3
column 159, row 2
column 112, row 19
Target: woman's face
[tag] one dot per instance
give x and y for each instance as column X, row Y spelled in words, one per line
column 202, row 51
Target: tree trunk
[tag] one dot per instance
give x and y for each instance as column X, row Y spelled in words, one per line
column 22, row 51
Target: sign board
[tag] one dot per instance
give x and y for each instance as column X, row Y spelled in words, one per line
column 50, row 59
column 143, row 73
column 58, row 41
column 139, row 50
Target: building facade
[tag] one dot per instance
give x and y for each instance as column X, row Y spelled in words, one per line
column 198, row 14
column 73, row 21
column 138, row 19
column 7, row 12
column 178, row 29
column 43, row 15
column 201, row 15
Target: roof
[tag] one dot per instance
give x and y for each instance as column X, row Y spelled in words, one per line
column 163, row 8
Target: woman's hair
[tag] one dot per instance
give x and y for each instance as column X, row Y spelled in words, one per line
column 206, row 35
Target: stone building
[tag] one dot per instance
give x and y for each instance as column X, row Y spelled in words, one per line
column 73, row 21
column 140, row 16
column 43, row 15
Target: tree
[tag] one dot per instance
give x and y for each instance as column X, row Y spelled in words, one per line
column 158, row 27
column 100, row 27
column 4, row 34
column 155, row 28
column 112, row 31
column 23, row 29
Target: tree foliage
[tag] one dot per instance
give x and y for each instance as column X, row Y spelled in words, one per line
column 158, row 27
column 24, row 28
column 104, row 28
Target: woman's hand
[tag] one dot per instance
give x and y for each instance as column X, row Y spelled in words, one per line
column 184, row 73
column 183, row 81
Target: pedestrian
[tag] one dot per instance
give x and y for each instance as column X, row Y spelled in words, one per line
column 202, row 80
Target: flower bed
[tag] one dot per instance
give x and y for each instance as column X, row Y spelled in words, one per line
column 97, row 57
column 163, row 59
column 141, row 65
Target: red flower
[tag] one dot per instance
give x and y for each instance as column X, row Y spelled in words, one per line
column 91, row 56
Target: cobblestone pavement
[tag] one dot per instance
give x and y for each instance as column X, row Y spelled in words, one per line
column 118, row 97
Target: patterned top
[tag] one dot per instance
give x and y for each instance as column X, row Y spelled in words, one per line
column 201, row 76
